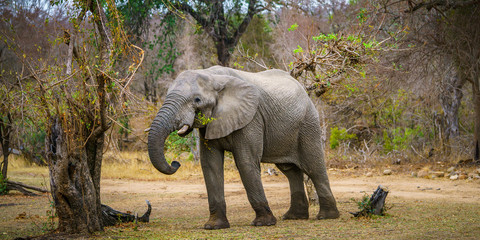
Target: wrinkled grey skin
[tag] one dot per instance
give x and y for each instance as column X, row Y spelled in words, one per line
column 259, row 117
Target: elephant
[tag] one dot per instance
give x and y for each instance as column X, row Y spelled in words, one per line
column 264, row 117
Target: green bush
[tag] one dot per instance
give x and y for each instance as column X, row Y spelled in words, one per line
column 32, row 137
column 400, row 138
column 339, row 135
column 178, row 144
column 365, row 205
column 125, row 126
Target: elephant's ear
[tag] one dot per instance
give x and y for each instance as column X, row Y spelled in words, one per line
column 236, row 106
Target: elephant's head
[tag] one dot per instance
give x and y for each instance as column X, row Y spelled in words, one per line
column 229, row 103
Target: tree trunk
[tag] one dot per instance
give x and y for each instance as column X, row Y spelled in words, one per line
column 4, row 165
column 450, row 99
column 312, row 196
column 375, row 205
column 5, row 130
column 74, row 181
column 223, row 52
column 195, row 146
column 476, row 119
column 94, row 150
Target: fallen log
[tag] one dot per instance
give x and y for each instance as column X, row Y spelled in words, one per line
column 111, row 217
column 375, row 205
column 22, row 187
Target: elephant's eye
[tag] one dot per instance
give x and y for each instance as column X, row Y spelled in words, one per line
column 197, row 100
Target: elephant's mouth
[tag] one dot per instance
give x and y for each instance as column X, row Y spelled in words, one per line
column 184, row 131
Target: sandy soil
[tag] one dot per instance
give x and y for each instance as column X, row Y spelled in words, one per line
column 25, row 215
column 401, row 187
column 187, row 195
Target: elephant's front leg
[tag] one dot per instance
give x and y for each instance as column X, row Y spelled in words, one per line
column 211, row 158
column 248, row 164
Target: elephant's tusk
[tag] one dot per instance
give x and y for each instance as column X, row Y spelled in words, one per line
column 183, row 129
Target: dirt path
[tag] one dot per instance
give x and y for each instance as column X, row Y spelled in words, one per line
column 401, row 187
column 183, row 197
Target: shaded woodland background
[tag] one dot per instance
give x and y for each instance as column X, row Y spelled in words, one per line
column 408, row 98
column 393, row 81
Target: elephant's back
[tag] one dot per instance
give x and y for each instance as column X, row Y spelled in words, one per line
column 281, row 91
column 279, row 85
column 274, row 82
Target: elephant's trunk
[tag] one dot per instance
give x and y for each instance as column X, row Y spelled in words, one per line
column 162, row 126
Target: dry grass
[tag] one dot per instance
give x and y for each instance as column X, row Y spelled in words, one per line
column 20, row 170
column 137, row 166
column 134, row 165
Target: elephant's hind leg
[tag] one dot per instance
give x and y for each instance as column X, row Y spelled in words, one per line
column 313, row 164
column 328, row 205
column 298, row 200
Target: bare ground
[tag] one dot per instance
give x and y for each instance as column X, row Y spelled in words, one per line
column 420, row 208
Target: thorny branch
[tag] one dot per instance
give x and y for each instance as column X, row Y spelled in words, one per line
column 324, row 63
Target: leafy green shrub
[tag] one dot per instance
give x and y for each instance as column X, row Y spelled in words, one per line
column 125, row 126
column 400, row 138
column 33, row 141
column 178, row 144
column 340, row 135
column 3, row 185
column 364, row 205
column 393, row 111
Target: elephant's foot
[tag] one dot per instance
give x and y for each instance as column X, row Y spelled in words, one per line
column 265, row 220
column 328, row 214
column 216, row 223
column 294, row 214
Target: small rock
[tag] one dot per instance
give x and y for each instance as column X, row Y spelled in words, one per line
column 387, row 172
column 451, row 169
column 271, row 171
column 437, row 174
column 422, row 173
column 369, row 174
column 454, row 177
column 438, row 189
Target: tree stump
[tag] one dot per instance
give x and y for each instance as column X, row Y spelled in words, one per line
column 375, row 205
column 112, row 217
column 312, row 196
